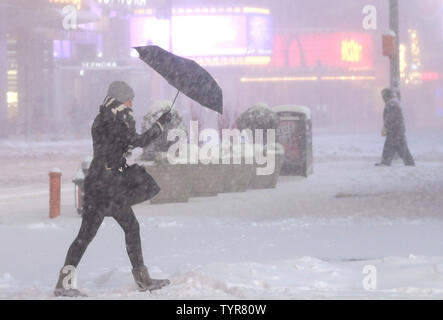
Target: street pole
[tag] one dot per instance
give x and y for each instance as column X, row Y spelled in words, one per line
column 3, row 86
column 395, row 59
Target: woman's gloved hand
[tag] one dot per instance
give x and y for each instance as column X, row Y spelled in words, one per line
column 165, row 118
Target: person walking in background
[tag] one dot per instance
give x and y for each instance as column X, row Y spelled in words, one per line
column 394, row 130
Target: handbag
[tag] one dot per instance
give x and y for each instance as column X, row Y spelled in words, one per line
column 135, row 185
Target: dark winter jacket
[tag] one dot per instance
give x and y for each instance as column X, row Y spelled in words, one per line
column 393, row 118
column 113, row 135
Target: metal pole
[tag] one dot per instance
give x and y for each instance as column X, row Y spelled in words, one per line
column 395, row 60
column 3, row 85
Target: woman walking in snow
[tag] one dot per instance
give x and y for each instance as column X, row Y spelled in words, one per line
column 112, row 187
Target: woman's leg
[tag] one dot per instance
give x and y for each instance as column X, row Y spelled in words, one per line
column 91, row 222
column 125, row 217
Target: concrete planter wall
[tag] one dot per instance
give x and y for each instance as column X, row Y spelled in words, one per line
column 236, row 177
column 270, row 181
column 180, row 182
column 203, row 180
column 172, row 181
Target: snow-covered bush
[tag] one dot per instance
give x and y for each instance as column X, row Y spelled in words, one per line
column 156, row 151
column 258, row 117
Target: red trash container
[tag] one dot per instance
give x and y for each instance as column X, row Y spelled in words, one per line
column 295, row 134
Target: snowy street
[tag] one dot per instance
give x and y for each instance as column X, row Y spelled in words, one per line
column 306, row 239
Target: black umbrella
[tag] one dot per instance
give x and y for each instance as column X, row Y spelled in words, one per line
column 185, row 75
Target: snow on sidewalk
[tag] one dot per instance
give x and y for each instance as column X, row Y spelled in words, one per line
column 231, row 259
column 307, row 239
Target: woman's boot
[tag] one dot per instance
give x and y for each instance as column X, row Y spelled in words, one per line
column 61, row 291
column 144, row 281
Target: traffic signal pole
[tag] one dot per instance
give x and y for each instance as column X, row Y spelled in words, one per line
column 395, row 59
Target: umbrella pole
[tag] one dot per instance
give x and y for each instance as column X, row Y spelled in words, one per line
column 175, row 99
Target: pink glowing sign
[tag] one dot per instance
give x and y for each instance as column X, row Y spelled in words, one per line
column 148, row 31
column 345, row 50
column 210, row 35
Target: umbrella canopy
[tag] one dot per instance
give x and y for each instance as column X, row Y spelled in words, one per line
column 185, row 75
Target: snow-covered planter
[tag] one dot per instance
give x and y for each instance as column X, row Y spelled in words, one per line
column 269, row 181
column 235, row 177
column 156, row 151
column 179, row 182
column 204, row 180
column 172, row 179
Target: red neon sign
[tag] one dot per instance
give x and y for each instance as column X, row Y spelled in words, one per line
column 430, row 76
column 351, row 51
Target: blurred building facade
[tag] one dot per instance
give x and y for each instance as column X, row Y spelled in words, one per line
column 56, row 62
column 326, row 59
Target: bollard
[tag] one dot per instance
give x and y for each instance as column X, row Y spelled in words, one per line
column 54, row 192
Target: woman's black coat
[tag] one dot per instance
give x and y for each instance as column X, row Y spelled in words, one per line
column 113, row 135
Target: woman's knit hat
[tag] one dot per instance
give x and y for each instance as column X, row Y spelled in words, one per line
column 120, row 91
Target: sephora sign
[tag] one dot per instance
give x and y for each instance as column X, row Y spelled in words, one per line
column 132, row 4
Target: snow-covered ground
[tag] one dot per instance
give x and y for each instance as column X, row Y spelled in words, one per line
column 307, row 239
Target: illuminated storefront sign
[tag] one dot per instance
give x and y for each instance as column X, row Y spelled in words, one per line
column 197, row 36
column 349, row 51
column 62, row 49
column 403, row 63
column 123, row 3
column 99, row 65
column 149, row 30
column 430, row 76
column 233, row 61
column 12, row 98
column 223, row 34
column 12, row 95
column 76, row 3
column 411, row 59
column 307, row 79
column 144, row 12
column 212, row 36
column 213, row 10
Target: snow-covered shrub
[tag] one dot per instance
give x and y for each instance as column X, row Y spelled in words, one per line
column 156, row 151
column 258, row 117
